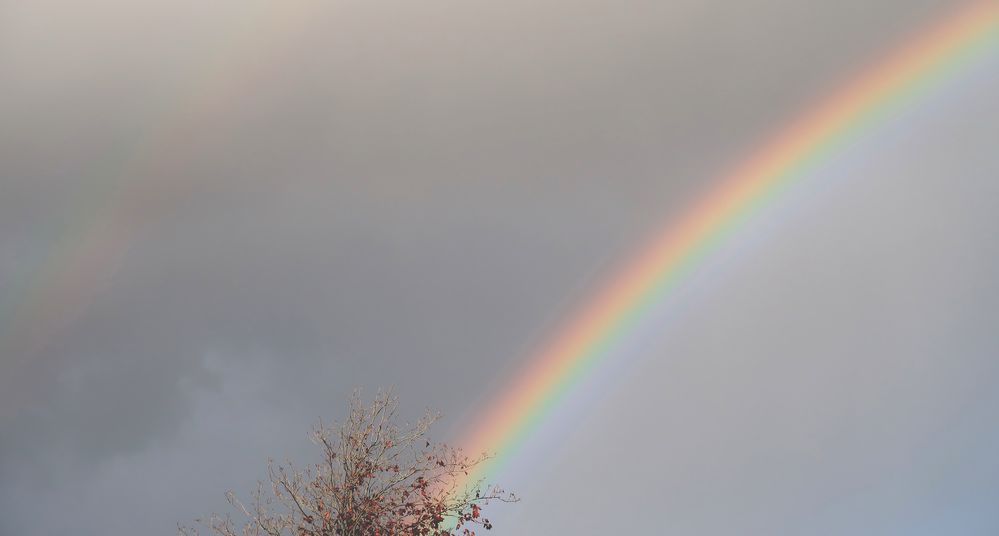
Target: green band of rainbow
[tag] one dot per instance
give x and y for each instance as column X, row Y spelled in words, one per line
column 591, row 335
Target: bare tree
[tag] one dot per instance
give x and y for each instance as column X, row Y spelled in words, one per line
column 376, row 478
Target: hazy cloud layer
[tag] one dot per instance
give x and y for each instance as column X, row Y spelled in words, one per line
column 341, row 194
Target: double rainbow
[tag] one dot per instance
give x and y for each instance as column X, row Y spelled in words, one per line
column 70, row 278
column 592, row 335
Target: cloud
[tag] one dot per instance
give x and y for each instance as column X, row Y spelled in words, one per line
column 386, row 193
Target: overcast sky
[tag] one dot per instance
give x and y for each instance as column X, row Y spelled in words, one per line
column 218, row 218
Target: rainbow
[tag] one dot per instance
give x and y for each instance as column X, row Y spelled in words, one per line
column 592, row 335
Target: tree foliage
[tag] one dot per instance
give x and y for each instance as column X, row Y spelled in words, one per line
column 376, row 478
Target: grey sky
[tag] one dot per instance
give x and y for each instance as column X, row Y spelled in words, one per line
column 413, row 194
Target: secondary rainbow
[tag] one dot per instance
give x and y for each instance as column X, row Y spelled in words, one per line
column 133, row 187
column 592, row 334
